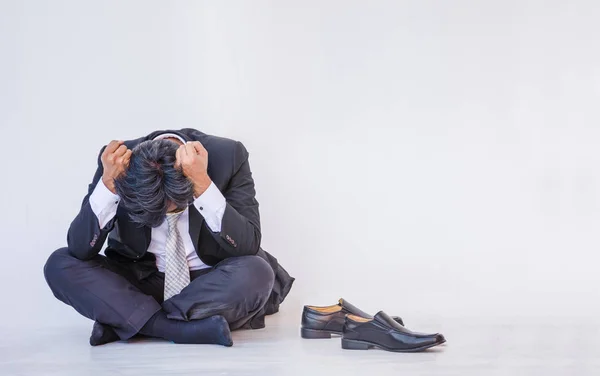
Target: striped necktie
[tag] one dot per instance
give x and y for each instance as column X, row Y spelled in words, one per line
column 177, row 271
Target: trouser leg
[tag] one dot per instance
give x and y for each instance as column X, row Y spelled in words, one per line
column 236, row 288
column 101, row 290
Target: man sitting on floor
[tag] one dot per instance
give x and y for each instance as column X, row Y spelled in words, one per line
column 183, row 260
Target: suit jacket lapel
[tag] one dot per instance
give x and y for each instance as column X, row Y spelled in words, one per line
column 147, row 237
column 196, row 221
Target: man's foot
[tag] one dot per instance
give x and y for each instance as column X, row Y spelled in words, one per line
column 211, row 330
column 102, row 334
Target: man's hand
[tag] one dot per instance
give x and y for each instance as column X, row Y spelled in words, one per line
column 115, row 160
column 193, row 159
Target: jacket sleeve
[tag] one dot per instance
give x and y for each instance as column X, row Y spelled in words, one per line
column 85, row 238
column 240, row 227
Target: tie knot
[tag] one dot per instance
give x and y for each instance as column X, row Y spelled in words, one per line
column 172, row 218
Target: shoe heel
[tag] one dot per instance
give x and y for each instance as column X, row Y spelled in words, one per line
column 350, row 344
column 314, row 334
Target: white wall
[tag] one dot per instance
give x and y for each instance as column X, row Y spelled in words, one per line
column 433, row 158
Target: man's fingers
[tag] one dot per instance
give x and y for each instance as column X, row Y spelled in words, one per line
column 177, row 158
column 183, row 150
column 189, row 148
column 127, row 157
column 123, row 159
column 112, row 146
column 198, row 147
column 121, row 150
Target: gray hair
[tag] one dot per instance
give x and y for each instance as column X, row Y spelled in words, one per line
column 152, row 183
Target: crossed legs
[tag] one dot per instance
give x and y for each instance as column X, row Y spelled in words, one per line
column 108, row 292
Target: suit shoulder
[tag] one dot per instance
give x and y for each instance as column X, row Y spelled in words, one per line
column 231, row 150
column 220, row 142
column 133, row 143
column 211, row 142
column 224, row 154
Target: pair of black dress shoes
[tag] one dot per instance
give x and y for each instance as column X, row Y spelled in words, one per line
column 361, row 331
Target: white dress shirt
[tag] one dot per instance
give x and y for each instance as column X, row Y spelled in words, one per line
column 211, row 205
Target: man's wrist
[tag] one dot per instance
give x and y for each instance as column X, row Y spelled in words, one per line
column 110, row 184
column 201, row 185
column 211, row 205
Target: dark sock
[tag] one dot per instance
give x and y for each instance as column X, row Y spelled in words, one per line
column 102, row 334
column 211, row 330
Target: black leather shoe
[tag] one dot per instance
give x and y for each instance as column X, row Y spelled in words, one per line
column 322, row 322
column 385, row 333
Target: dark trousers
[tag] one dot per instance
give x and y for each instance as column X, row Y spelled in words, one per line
column 109, row 292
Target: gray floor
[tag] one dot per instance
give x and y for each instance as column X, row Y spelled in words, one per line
column 496, row 347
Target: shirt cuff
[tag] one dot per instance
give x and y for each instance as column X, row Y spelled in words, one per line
column 211, row 204
column 104, row 203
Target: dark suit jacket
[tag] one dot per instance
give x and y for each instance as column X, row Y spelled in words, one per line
column 240, row 234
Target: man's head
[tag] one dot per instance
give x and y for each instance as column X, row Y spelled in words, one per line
column 153, row 185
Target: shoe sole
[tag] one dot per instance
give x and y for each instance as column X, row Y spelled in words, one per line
column 352, row 344
column 316, row 334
